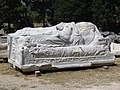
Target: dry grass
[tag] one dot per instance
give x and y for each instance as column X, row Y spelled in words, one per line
column 87, row 77
column 7, row 69
column 76, row 78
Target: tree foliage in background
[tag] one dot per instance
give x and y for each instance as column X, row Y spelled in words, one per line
column 22, row 13
column 71, row 10
column 43, row 9
column 104, row 13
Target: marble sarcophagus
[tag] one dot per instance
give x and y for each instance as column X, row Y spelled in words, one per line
column 65, row 45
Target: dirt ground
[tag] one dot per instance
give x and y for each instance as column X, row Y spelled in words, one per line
column 76, row 79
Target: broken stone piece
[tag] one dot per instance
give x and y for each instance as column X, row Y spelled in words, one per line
column 37, row 73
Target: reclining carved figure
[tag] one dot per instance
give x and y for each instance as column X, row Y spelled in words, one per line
column 62, row 46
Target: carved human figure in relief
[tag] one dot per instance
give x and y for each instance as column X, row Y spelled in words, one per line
column 66, row 34
column 70, row 39
column 69, row 34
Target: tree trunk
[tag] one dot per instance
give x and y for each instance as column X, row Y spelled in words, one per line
column 8, row 31
column 44, row 20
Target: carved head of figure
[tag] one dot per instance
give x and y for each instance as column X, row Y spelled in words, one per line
column 85, row 27
column 89, row 32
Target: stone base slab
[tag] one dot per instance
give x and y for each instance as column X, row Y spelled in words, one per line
column 61, row 63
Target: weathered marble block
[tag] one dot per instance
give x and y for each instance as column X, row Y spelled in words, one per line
column 115, row 43
column 65, row 45
column 115, row 48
